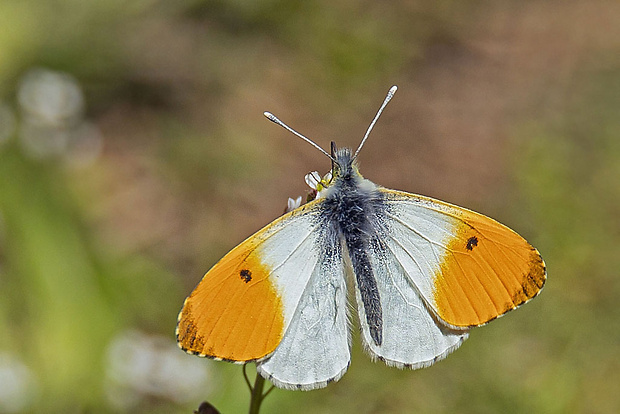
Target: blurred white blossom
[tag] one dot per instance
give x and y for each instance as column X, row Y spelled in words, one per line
column 49, row 97
column 18, row 388
column 144, row 366
column 52, row 118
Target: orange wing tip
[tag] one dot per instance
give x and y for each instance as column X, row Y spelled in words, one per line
column 481, row 279
column 182, row 343
column 508, row 309
column 190, row 341
column 537, row 276
column 235, row 314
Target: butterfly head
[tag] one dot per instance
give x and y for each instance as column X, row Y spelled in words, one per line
column 344, row 164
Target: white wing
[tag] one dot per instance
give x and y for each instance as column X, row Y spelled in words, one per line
column 412, row 337
column 441, row 269
column 315, row 348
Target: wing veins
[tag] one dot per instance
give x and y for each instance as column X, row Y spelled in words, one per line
column 487, row 239
column 484, row 288
column 408, row 227
column 268, row 276
column 434, row 245
column 428, row 205
column 511, row 271
column 403, row 273
column 293, row 251
column 411, row 279
column 215, row 325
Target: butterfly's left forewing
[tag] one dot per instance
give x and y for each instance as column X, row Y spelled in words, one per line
column 278, row 298
column 243, row 305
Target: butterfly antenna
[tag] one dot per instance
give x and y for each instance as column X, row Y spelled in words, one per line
column 275, row 120
column 387, row 99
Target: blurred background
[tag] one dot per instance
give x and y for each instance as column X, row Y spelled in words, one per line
column 134, row 154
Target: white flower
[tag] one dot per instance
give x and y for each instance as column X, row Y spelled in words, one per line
column 317, row 183
column 293, row 204
column 318, row 186
column 313, row 179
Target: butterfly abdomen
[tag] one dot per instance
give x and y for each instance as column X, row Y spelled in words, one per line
column 351, row 209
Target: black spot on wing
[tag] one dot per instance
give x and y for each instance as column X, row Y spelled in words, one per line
column 246, row 275
column 471, row 243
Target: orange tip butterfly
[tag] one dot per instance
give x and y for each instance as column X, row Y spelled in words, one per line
column 424, row 272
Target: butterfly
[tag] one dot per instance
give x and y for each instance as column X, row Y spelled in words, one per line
column 424, row 272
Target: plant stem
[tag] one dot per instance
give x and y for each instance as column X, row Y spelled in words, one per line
column 257, row 394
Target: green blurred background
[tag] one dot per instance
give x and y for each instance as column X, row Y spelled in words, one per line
column 134, row 154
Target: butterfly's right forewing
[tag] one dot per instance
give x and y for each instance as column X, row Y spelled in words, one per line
column 468, row 268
